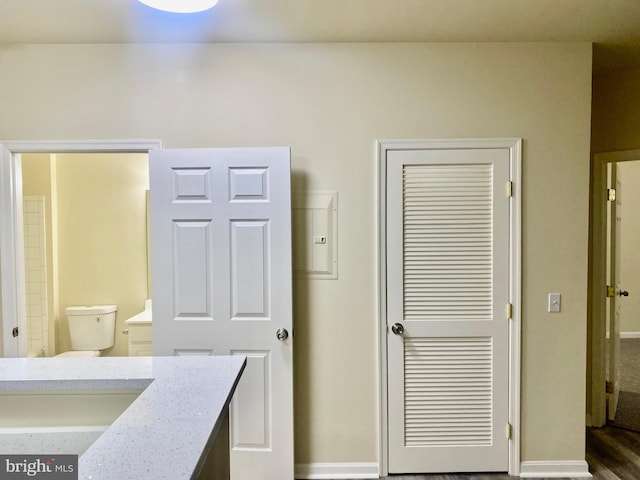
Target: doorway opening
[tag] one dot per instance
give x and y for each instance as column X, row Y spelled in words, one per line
column 613, row 325
column 22, row 309
column 605, row 337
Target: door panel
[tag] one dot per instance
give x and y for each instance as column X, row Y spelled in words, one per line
column 192, row 282
column 250, row 269
column 221, row 267
column 251, row 426
column 448, row 289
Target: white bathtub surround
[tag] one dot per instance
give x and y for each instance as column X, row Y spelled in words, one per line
column 165, row 433
column 35, row 259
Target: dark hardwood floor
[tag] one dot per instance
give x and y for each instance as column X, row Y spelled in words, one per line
column 612, row 454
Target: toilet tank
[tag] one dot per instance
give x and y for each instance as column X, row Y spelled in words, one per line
column 92, row 327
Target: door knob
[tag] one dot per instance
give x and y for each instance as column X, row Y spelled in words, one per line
column 282, row 334
column 623, row 293
column 397, row 329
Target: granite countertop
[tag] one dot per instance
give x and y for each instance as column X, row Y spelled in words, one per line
column 163, row 433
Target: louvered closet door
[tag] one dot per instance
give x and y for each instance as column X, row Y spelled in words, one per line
column 447, row 274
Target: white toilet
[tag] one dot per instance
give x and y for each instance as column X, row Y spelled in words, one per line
column 91, row 328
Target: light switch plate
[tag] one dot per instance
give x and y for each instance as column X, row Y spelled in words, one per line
column 554, row 303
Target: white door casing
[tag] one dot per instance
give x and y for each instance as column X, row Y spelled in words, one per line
column 615, row 224
column 221, row 279
column 12, row 269
column 12, row 256
column 451, row 268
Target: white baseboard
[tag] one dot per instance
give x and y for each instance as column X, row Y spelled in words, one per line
column 309, row 471
column 318, row 471
column 558, row 469
column 629, row 334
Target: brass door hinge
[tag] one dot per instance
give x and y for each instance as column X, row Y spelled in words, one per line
column 509, row 310
column 611, row 291
column 609, row 387
column 509, row 431
column 611, row 194
column 509, row 189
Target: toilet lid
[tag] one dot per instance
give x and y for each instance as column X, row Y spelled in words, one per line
column 80, row 353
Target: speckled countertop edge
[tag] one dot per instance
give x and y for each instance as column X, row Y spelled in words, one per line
column 164, row 431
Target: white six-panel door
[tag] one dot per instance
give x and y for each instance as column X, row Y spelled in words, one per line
column 447, row 266
column 221, row 284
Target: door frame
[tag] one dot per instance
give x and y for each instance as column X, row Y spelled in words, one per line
column 12, row 274
column 514, row 145
column 597, row 417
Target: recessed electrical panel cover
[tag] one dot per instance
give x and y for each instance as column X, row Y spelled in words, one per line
column 315, row 234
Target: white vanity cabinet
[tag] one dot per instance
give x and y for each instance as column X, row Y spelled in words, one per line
column 140, row 333
column 140, row 340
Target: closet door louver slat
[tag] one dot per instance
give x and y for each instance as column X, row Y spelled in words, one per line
column 448, row 391
column 446, row 244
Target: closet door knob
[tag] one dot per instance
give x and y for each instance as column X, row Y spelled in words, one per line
column 282, row 334
column 397, row 329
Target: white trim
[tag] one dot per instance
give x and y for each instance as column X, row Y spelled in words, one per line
column 626, row 335
column 555, row 469
column 515, row 154
column 597, row 263
column 81, row 146
column 11, row 246
column 515, row 339
column 588, row 421
column 12, row 291
column 596, row 314
column 310, row 471
column 383, row 430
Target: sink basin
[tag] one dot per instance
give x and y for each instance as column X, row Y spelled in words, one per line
column 142, row 318
column 64, row 422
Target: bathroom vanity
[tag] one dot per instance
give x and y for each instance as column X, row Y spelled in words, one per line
column 140, row 340
column 170, row 414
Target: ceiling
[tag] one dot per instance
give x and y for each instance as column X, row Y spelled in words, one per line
column 613, row 25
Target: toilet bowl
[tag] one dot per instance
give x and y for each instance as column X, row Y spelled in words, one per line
column 92, row 329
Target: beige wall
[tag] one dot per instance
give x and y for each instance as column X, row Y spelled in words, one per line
column 616, row 111
column 330, row 103
column 102, row 249
column 629, row 175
